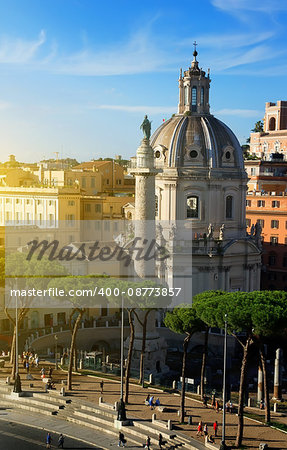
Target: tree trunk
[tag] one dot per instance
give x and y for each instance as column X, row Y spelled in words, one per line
column 265, row 382
column 183, row 370
column 13, row 344
column 144, row 324
column 243, row 373
column 130, row 354
column 22, row 313
column 72, row 347
column 203, row 364
column 75, row 359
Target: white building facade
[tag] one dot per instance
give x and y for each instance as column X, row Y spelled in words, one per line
column 202, row 184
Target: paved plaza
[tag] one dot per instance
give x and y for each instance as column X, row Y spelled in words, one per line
column 87, row 388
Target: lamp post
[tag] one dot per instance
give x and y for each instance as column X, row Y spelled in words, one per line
column 17, row 384
column 122, row 409
column 122, row 350
column 223, row 445
column 56, row 352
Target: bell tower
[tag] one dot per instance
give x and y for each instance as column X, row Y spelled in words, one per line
column 194, row 89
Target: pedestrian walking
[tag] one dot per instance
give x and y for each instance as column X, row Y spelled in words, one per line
column 262, row 405
column 205, row 430
column 151, row 403
column 157, row 402
column 204, row 401
column 61, row 441
column 122, row 439
column 215, row 427
column 48, row 441
column 160, row 441
column 210, row 439
column 199, row 429
column 217, row 406
column 213, row 401
column 27, row 366
column 50, row 372
column 147, row 444
column 102, row 386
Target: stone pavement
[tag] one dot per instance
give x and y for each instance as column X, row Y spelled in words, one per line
column 86, row 388
column 51, row 424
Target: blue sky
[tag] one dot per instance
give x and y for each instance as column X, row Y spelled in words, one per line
column 77, row 76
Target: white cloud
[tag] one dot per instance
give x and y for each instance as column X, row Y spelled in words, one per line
column 266, row 6
column 19, row 51
column 138, row 109
column 231, row 40
column 231, row 59
column 137, row 55
column 238, row 112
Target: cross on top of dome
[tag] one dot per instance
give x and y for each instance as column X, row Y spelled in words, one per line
column 194, row 64
column 195, row 52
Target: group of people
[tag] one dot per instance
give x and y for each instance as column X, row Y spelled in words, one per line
column 229, row 406
column 150, row 401
column 122, row 441
column 49, row 439
column 202, row 430
column 215, row 403
column 30, row 359
column 48, row 374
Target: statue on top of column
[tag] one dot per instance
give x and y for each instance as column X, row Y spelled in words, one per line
column 146, row 127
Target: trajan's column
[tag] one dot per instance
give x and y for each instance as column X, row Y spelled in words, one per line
column 144, row 226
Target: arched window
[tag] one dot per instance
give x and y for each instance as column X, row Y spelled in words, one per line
column 192, row 207
column 193, row 99
column 186, row 95
column 202, row 96
column 277, row 146
column 272, row 123
column 229, row 207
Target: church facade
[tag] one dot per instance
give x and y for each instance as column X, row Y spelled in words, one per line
column 200, row 191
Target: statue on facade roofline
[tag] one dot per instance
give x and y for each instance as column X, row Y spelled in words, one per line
column 210, row 231
column 221, row 232
column 146, row 127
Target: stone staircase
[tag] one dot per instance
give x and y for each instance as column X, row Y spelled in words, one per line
column 95, row 417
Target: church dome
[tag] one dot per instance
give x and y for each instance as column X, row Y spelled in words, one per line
column 198, row 140
column 193, row 137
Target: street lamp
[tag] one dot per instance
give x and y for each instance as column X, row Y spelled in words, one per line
column 223, row 445
column 17, row 385
column 56, row 352
column 122, row 409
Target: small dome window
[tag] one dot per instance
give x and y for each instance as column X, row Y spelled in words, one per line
column 193, row 154
column 157, row 154
column 227, row 155
column 194, row 99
